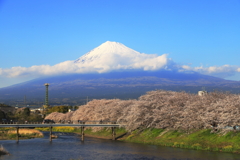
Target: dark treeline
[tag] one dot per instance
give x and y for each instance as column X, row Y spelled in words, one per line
column 79, row 95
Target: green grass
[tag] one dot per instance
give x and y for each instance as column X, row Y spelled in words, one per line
column 151, row 133
column 12, row 136
column 60, row 129
column 105, row 132
column 199, row 140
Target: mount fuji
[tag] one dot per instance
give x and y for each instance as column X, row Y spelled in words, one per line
column 113, row 70
column 112, row 56
column 107, row 49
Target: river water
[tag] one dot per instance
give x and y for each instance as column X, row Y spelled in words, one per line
column 68, row 146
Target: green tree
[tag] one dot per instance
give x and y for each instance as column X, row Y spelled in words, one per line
column 26, row 112
column 35, row 118
column 60, row 109
column 4, row 105
column 2, row 115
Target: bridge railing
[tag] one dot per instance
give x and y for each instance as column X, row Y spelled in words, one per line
column 66, row 122
column 81, row 124
column 20, row 123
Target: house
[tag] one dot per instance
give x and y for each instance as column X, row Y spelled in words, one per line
column 202, row 93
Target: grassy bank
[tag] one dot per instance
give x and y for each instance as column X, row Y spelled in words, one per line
column 9, row 133
column 105, row 133
column 198, row 140
column 60, row 129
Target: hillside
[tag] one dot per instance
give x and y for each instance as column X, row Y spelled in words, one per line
column 74, row 89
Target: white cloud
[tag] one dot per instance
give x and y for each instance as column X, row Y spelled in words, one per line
column 217, row 71
column 107, row 63
column 186, row 67
column 100, row 65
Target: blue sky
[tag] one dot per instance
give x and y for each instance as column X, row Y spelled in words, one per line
column 195, row 34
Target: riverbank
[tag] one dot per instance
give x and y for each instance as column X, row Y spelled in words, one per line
column 69, row 146
column 105, row 133
column 9, row 133
column 198, row 140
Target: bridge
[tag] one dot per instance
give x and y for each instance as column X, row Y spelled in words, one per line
column 51, row 125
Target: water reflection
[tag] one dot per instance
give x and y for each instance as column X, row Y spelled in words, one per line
column 69, row 146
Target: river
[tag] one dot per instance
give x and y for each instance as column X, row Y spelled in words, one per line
column 68, row 146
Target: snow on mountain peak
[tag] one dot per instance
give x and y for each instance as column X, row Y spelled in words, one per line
column 114, row 56
column 107, row 49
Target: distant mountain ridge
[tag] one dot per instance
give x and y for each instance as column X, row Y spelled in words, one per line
column 74, row 88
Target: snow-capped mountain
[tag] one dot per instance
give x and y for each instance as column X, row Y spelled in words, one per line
column 108, row 49
column 112, row 56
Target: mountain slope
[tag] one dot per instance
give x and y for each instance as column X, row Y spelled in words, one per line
column 74, row 88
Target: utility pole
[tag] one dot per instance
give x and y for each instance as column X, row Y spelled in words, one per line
column 46, row 95
column 24, row 100
column 46, row 100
